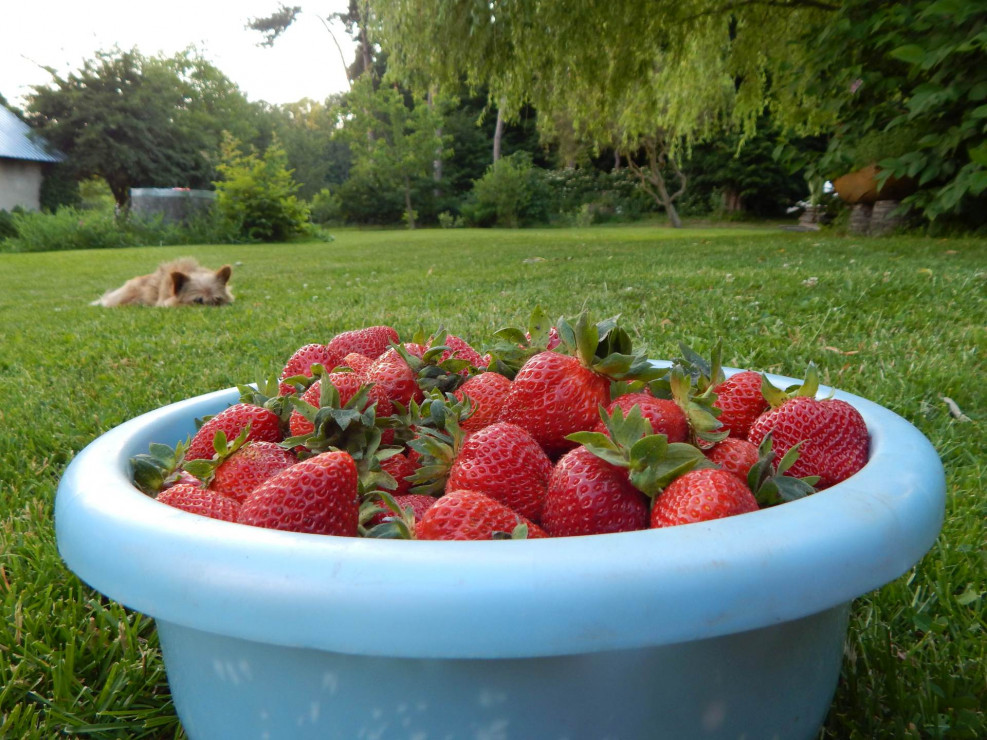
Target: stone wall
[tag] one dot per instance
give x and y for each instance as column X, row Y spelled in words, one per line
column 20, row 184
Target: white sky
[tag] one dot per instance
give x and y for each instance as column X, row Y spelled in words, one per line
column 304, row 61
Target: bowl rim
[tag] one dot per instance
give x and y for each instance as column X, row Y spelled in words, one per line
column 558, row 596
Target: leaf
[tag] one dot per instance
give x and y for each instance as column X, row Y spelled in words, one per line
column 909, row 53
column 978, row 154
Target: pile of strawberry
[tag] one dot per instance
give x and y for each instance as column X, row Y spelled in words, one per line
column 555, row 431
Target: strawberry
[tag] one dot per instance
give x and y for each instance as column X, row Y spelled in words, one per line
column 740, row 402
column 663, row 414
column 506, row 463
column 399, row 467
column 734, row 455
column 486, row 393
column 701, row 495
column 265, row 426
column 471, row 515
column 395, row 377
column 356, row 362
column 555, row 394
column 459, row 349
column 248, row 467
column 300, row 363
column 588, row 495
column 371, row 341
column 834, row 437
column 317, row 495
column 197, row 500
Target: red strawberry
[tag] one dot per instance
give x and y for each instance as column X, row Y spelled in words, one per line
column 836, row 441
column 665, row 416
column 487, row 392
column 317, row 495
column 701, row 495
column 419, row 503
column 740, row 401
column 264, row 427
column 202, row 501
column 461, row 350
column 470, row 515
column 587, row 495
column 395, row 378
column 506, row 463
column 400, row 468
column 356, row 362
column 300, row 363
column 734, row 455
column 371, row 341
column 248, row 467
column 554, row 395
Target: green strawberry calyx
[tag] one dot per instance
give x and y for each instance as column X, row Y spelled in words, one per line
column 513, row 346
column 809, row 388
column 767, row 478
column 605, row 348
column 159, row 467
column 650, row 460
column 399, row 524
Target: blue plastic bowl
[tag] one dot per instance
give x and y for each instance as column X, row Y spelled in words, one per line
column 732, row 628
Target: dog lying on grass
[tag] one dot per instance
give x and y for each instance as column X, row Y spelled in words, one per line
column 182, row 282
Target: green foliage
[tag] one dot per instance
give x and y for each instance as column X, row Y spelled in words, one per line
column 725, row 177
column 74, row 228
column 307, row 131
column 8, row 225
column 325, row 207
column 393, row 141
column 907, row 83
column 256, row 193
column 68, row 228
column 511, row 194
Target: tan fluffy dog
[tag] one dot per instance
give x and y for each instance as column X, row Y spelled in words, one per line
column 183, row 282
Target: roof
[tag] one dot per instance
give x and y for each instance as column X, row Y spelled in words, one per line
column 16, row 141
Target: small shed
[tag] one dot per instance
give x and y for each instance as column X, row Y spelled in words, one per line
column 23, row 159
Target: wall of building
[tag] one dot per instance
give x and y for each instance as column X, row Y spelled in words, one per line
column 20, row 184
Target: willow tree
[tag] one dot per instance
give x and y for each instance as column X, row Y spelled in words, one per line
column 655, row 77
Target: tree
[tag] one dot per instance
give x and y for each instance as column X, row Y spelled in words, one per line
column 137, row 121
column 307, row 130
column 392, row 143
column 669, row 76
column 257, row 193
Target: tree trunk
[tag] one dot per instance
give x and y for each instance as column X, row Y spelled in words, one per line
column 498, row 135
column 653, row 181
column 437, row 162
column 408, row 210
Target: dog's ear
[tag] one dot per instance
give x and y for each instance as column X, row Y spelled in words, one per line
column 178, row 280
column 223, row 274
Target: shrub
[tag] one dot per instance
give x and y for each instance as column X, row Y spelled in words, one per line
column 325, row 207
column 511, row 193
column 258, row 195
column 67, row 228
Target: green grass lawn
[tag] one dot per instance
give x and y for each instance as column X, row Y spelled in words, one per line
column 899, row 320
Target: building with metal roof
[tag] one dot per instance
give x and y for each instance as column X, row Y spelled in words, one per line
column 22, row 162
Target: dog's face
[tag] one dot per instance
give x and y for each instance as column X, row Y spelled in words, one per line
column 201, row 287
